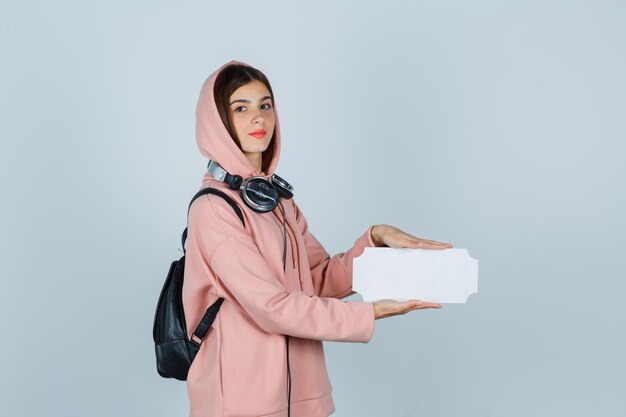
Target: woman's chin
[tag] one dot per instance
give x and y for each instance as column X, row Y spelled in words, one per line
column 256, row 147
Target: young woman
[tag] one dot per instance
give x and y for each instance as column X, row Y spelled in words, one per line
column 282, row 291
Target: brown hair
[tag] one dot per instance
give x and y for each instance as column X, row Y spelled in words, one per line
column 230, row 79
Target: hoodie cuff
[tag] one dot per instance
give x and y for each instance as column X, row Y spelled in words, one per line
column 362, row 242
column 369, row 240
column 365, row 311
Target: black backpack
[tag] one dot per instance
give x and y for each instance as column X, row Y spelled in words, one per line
column 174, row 349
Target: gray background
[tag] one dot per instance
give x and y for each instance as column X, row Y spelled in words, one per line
column 496, row 126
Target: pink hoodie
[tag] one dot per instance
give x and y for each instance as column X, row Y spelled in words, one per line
column 241, row 368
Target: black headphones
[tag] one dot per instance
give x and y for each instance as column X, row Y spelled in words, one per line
column 257, row 192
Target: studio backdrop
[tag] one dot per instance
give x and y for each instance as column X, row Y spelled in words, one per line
column 496, row 126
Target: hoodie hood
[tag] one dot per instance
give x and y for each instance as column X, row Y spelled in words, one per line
column 216, row 143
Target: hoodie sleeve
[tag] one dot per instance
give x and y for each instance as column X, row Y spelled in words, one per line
column 244, row 276
column 332, row 276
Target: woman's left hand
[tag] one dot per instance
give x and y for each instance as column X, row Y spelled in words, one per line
column 386, row 235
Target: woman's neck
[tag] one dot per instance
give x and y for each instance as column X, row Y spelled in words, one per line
column 255, row 159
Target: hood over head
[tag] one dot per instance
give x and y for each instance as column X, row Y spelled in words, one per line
column 216, row 143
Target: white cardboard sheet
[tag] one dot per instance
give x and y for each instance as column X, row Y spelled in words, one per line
column 440, row 276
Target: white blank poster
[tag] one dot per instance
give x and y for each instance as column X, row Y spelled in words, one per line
column 441, row 276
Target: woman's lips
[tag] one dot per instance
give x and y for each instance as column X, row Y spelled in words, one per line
column 258, row 134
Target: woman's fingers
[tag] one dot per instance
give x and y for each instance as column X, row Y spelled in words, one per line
column 426, row 244
column 435, row 243
column 419, row 305
column 396, row 238
column 388, row 308
column 428, row 305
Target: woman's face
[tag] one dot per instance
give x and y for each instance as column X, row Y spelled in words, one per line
column 251, row 109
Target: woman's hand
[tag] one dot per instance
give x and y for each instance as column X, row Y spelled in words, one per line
column 386, row 235
column 388, row 308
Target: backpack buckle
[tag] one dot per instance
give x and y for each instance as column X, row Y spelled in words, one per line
column 197, row 341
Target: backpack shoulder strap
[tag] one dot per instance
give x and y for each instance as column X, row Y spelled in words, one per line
column 225, row 196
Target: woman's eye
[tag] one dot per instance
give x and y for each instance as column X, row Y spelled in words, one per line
column 240, row 107
column 269, row 106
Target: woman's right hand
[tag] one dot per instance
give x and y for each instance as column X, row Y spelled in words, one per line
column 388, row 308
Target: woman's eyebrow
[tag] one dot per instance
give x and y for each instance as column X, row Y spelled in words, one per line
column 248, row 101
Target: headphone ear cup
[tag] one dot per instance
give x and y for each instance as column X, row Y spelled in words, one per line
column 260, row 195
column 285, row 190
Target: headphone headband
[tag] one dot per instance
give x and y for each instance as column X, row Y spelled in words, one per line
column 219, row 173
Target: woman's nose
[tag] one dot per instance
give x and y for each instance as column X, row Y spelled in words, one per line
column 257, row 117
